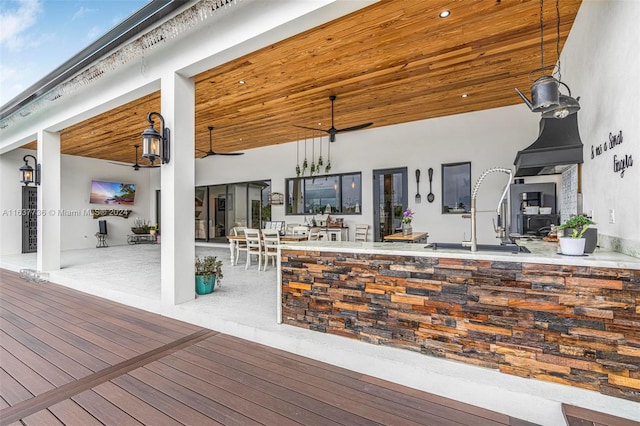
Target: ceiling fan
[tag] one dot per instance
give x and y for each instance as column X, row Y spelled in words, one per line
column 332, row 131
column 211, row 152
column 136, row 166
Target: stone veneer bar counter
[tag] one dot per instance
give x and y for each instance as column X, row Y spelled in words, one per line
column 569, row 320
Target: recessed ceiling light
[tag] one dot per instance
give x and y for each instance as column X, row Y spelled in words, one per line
column 241, row 82
column 444, row 13
column 464, row 95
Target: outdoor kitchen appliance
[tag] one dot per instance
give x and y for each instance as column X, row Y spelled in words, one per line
column 557, row 148
column 526, row 201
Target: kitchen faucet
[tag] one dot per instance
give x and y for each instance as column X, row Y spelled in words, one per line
column 473, row 243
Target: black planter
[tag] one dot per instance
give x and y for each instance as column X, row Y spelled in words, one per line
column 591, row 237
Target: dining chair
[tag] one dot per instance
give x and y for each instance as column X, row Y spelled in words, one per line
column 300, row 230
column 270, row 241
column 361, row 232
column 240, row 245
column 254, row 246
column 290, row 227
column 314, row 234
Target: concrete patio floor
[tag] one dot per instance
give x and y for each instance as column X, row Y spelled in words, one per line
column 245, row 306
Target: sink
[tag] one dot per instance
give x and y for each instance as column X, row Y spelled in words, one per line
column 504, row 248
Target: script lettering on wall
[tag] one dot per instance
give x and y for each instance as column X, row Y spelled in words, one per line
column 110, row 212
column 620, row 162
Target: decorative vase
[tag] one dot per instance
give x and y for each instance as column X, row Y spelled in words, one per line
column 572, row 246
column 205, row 283
column 407, row 229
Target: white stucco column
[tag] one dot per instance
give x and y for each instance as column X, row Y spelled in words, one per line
column 178, row 192
column 48, row 257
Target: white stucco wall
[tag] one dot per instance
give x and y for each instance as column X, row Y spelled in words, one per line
column 601, row 64
column 78, row 228
column 486, row 138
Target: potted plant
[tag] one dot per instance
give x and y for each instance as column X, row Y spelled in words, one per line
column 140, row 226
column 208, row 270
column 574, row 243
column 407, row 217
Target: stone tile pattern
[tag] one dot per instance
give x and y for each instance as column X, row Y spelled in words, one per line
column 577, row 326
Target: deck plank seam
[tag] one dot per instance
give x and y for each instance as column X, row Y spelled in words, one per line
column 28, row 407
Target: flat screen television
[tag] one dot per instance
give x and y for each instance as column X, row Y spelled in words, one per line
column 112, row 193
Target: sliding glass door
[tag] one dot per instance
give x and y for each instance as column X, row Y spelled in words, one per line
column 219, row 208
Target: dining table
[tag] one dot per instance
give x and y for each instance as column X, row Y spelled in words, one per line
column 414, row 237
column 235, row 240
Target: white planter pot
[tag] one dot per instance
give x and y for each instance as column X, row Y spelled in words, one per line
column 572, row 246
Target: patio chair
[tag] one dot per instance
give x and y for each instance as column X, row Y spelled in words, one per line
column 254, row 246
column 271, row 241
column 289, row 228
column 361, row 232
column 240, row 245
column 314, row 234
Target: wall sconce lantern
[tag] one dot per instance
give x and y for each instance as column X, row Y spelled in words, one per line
column 154, row 145
column 27, row 172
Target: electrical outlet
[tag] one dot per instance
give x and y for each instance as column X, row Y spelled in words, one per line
column 612, row 216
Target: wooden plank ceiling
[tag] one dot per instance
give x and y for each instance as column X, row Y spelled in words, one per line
column 390, row 63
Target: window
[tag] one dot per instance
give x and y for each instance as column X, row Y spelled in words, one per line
column 456, row 188
column 337, row 194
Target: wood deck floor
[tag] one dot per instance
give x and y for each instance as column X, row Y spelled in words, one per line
column 75, row 359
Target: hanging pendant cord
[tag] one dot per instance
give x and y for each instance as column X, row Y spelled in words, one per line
column 558, row 38
column 541, row 36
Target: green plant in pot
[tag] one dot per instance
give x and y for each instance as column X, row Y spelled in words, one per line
column 208, row 269
column 574, row 243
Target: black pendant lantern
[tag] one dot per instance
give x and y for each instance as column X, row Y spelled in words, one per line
column 545, row 91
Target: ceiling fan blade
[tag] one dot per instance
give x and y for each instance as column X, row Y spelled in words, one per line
column 147, row 167
column 135, row 166
column 358, row 127
column 212, row 152
column 311, row 128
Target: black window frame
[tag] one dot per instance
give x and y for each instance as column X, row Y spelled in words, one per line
column 463, row 201
column 343, row 179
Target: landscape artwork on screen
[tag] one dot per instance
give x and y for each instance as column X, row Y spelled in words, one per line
column 112, row 193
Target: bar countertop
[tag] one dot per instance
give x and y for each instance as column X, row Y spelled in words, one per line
column 540, row 252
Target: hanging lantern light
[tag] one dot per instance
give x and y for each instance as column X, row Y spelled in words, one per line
column 545, row 91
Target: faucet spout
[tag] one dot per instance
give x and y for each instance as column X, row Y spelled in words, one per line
column 474, row 194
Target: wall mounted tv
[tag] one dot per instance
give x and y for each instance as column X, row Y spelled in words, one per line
column 112, row 192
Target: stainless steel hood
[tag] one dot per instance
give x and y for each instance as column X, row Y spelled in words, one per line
column 558, row 146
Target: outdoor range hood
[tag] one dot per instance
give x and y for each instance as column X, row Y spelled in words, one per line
column 558, row 146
